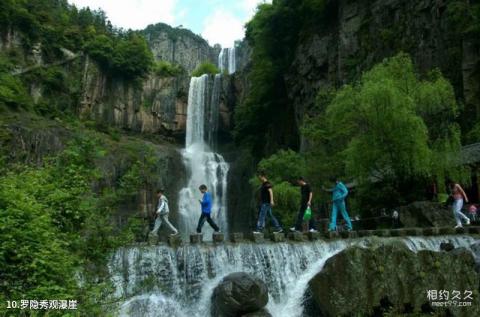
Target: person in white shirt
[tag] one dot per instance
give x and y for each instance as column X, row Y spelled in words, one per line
column 161, row 215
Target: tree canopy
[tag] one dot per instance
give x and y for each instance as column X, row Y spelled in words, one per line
column 57, row 24
column 393, row 132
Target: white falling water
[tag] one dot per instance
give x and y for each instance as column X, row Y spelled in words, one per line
column 227, row 60
column 161, row 281
column 203, row 165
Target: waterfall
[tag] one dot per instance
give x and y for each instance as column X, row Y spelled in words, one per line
column 227, row 60
column 162, row 281
column 203, row 165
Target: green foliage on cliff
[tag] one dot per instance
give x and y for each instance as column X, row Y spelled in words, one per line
column 392, row 132
column 465, row 18
column 167, row 69
column 125, row 56
column 132, row 57
column 282, row 169
column 273, row 34
column 285, row 165
column 13, row 94
column 57, row 24
column 50, row 226
column 391, row 127
column 56, row 227
column 205, row 68
column 154, row 30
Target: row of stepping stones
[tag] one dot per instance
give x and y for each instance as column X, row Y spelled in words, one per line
column 237, row 237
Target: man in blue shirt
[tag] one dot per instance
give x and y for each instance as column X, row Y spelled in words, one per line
column 206, row 203
column 339, row 193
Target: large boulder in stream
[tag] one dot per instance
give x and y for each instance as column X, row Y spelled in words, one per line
column 390, row 278
column 240, row 294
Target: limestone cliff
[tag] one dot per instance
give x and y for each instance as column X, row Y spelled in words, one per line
column 156, row 105
column 153, row 105
column 180, row 46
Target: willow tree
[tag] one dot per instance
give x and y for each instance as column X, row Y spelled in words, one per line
column 395, row 128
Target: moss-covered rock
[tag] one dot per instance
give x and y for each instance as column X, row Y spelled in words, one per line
column 391, row 278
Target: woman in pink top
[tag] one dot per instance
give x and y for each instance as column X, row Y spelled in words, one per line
column 459, row 197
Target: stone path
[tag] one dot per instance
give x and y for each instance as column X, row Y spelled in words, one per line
column 237, row 237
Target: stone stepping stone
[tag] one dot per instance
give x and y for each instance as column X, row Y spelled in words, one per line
column 258, row 237
column 196, row 238
column 175, row 240
column 218, row 237
column 278, row 237
column 236, row 237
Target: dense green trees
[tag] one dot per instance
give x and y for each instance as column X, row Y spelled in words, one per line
column 44, row 212
column 56, row 230
column 392, row 132
column 57, row 24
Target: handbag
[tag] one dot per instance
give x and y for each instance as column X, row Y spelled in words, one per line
column 308, row 214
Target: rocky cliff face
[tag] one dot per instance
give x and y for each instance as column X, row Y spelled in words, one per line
column 180, row 46
column 156, row 105
column 358, row 34
column 26, row 138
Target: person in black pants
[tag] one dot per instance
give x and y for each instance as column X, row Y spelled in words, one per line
column 206, row 203
column 305, row 202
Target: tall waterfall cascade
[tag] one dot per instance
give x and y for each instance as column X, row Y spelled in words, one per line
column 203, row 165
column 227, row 60
column 162, row 281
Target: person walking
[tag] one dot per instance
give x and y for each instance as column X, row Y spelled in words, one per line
column 459, row 197
column 161, row 214
column 206, row 204
column 339, row 194
column 305, row 202
column 472, row 211
column 266, row 204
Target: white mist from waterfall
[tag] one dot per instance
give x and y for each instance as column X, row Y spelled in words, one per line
column 161, row 281
column 203, row 165
column 227, row 60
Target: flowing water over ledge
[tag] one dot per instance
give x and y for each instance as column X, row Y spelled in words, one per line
column 163, row 281
column 204, row 166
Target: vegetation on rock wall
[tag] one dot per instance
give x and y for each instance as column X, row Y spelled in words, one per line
column 266, row 120
column 282, row 169
column 205, row 68
column 386, row 135
column 464, row 18
column 167, row 69
column 154, row 30
column 57, row 24
column 56, row 218
column 391, row 132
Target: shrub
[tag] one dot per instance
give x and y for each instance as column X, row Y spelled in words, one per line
column 167, row 69
column 205, row 68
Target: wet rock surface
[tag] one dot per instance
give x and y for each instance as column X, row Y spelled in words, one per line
column 240, row 294
column 387, row 278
